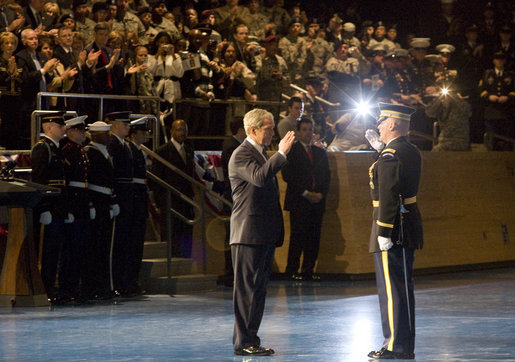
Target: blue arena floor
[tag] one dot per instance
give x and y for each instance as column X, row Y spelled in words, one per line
column 460, row 317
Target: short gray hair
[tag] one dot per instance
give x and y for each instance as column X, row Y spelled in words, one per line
column 255, row 117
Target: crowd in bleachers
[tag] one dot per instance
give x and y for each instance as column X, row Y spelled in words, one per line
column 253, row 51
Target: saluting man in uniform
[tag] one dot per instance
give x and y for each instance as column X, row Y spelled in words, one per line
column 123, row 188
column 97, row 282
column 48, row 169
column 75, row 193
column 396, row 230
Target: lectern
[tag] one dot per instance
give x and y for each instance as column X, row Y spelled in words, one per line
column 20, row 280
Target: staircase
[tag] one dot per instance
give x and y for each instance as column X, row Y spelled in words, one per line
column 185, row 279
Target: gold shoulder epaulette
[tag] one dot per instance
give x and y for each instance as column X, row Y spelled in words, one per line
column 391, row 150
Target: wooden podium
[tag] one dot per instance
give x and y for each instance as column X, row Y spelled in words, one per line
column 20, row 280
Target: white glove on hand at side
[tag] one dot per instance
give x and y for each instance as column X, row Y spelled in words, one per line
column 115, row 210
column 373, row 138
column 92, row 213
column 45, row 218
column 70, row 219
column 384, row 243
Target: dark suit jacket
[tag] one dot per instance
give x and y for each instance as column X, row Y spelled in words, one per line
column 299, row 174
column 31, row 76
column 256, row 215
column 228, row 147
column 170, row 153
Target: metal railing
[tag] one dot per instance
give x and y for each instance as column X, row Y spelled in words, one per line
column 200, row 207
column 157, row 122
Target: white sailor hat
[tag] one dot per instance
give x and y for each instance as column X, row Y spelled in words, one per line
column 420, row 42
column 99, row 126
column 140, row 123
column 75, row 122
column 445, row 48
column 399, row 52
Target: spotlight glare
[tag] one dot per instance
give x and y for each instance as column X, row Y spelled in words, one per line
column 445, row 91
column 363, row 108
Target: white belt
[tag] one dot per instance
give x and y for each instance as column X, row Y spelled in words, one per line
column 139, row 181
column 82, row 185
column 101, row 189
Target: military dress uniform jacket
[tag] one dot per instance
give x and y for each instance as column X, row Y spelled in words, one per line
column 48, row 169
column 123, row 167
column 503, row 85
column 101, row 174
column 256, row 217
column 394, row 181
column 76, row 165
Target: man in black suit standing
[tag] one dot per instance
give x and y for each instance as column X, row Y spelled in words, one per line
column 307, row 175
column 180, row 154
column 228, row 147
column 256, row 225
column 35, row 76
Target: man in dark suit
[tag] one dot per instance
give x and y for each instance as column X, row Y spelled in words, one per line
column 180, row 154
column 256, row 225
column 228, row 147
column 35, row 77
column 396, row 230
column 307, row 175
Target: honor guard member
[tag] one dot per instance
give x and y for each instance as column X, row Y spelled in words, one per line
column 97, row 283
column 138, row 135
column 123, row 189
column 396, row 230
column 48, row 169
column 75, row 193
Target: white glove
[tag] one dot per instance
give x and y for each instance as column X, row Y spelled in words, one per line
column 45, row 218
column 373, row 138
column 70, row 219
column 115, row 209
column 384, row 243
column 92, row 213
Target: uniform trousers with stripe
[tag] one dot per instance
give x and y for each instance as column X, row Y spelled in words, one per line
column 394, row 279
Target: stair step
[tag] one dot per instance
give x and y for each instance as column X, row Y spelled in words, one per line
column 156, row 267
column 154, row 249
column 182, row 284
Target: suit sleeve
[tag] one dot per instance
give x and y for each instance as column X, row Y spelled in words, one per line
column 246, row 166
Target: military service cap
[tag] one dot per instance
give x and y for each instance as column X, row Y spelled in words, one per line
column 420, row 43
column 118, row 116
column 76, row 122
column 99, row 126
column 54, row 117
column 445, row 48
column 397, row 111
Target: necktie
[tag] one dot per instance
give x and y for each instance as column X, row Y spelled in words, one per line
column 265, row 155
column 310, row 153
column 183, row 153
column 42, row 82
column 105, row 61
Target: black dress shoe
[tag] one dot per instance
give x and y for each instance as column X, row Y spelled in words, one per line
column 254, row 351
column 383, row 353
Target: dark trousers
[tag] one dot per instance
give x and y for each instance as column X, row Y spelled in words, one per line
column 305, row 226
column 72, row 261
column 252, row 267
column 53, row 241
column 394, row 278
column 97, row 273
column 138, row 231
column 123, row 245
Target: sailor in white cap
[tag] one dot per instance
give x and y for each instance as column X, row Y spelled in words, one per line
column 97, row 281
column 445, row 72
column 76, row 165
